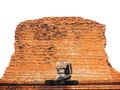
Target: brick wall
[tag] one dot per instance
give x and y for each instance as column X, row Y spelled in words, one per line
column 40, row 43
column 77, row 87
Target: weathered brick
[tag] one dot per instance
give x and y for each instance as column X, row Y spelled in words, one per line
column 40, row 43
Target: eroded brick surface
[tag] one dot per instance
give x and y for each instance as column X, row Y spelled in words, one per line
column 78, row 87
column 40, row 43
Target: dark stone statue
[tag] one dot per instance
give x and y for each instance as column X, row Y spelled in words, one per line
column 64, row 70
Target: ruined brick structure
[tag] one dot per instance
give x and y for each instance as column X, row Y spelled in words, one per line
column 40, row 43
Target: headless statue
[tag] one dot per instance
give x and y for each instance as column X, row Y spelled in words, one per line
column 64, row 70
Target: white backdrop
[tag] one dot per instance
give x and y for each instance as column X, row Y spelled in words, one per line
column 103, row 11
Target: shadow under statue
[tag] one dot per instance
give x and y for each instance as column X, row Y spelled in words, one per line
column 64, row 70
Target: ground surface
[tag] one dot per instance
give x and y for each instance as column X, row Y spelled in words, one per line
column 42, row 87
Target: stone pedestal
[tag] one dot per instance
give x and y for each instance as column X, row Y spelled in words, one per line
column 40, row 43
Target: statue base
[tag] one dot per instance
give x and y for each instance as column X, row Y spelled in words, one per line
column 57, row 82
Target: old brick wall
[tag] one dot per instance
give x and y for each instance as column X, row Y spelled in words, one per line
column 75, row 87
column 40, row 43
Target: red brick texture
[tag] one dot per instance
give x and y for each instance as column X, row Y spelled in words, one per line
column 40, row 43
column 76, row 87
